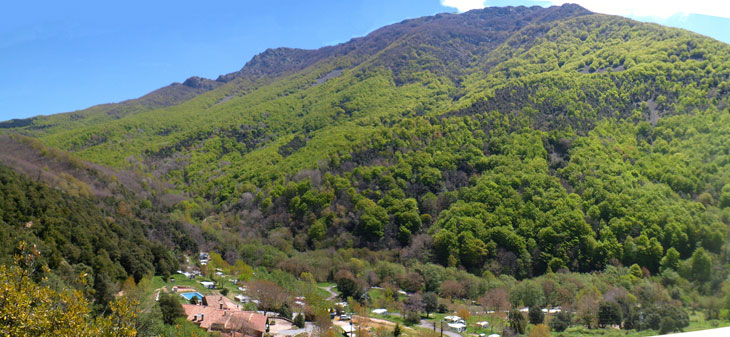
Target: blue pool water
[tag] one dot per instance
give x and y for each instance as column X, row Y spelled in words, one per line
column 188, row 296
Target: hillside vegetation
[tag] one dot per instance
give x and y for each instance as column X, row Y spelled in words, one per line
column 496, row 145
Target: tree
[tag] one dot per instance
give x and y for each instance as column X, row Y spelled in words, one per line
column 347, row 284
column 194, row 300
column 667, row 325
column 299, row 320
column 396, row 330
column 528, row 293
column 171, row 308
column 270, row 296
column 472, row 251
column 28, row 308
column 452, row 289
column 414, row 303
column 561, row 321
column 372, row 219
column 536, row 315
column 411, row 282
column 285, row 311
column 670, row 260
column 495, row 299
column 464, row 313
column 517, row 321
column 587, row 306
column 609, row 313
column 430, row 302
column 701, row 265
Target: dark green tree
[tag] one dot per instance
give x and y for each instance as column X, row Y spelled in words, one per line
column 431, row 302
column 609, row 313
column 561, row 321
column 517, row 321
column 536, row 315
column 299, row 320
column 701, row 265
column 170, row 308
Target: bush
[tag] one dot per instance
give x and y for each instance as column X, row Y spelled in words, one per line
column 609, row 313
column 517, row 321
column 224, row 291
column 299, row 321
column 170, row 308
column 412, row 317
column 284, row 311
column 540, row 330
column 667, row 325
column 536, row 315
column 561, row 321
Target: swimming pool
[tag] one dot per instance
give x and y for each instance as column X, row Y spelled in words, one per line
column 188, row 296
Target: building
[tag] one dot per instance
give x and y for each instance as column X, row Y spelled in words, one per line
column 220, row 314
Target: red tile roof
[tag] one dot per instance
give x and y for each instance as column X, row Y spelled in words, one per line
column 225, row 320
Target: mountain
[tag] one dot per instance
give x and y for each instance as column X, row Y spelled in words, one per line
column 507, row 141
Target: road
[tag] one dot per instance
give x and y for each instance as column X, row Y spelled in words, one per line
column 333, row 295
column 429, row 325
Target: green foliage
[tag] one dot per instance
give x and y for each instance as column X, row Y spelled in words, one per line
column 536, row 315
column 517, row 321
column 569, row 142
column 430, row 302
column 75, row 234
column 701, row 265
column 170, row 307
column 609, row 313
column 299, row 321
column 32, row 307
column 561, row 321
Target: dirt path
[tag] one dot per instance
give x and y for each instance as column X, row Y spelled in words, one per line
column 333, row 295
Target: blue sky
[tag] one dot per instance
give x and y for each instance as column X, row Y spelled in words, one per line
column 59, row 56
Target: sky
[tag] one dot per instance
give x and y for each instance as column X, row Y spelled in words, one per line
column 59, row 56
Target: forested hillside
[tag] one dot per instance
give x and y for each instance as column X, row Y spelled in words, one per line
column 506, row 141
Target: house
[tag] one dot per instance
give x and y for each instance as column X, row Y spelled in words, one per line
column 554, row 310
column 225, row 321
column 179, row 289
column 458, row 327
column 220, row 302
column 453, row 319
column 208, row 284
column 381, row 311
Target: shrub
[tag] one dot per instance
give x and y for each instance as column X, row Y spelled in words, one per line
column 299, row 321
column 667, row 325
column 171, row 308
column 536, row 315
column 561, row 321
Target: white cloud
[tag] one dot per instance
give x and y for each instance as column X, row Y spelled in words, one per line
column 637, row 8
column 463, row 5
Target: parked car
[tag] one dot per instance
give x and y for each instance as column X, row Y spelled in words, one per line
column 345, row 317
